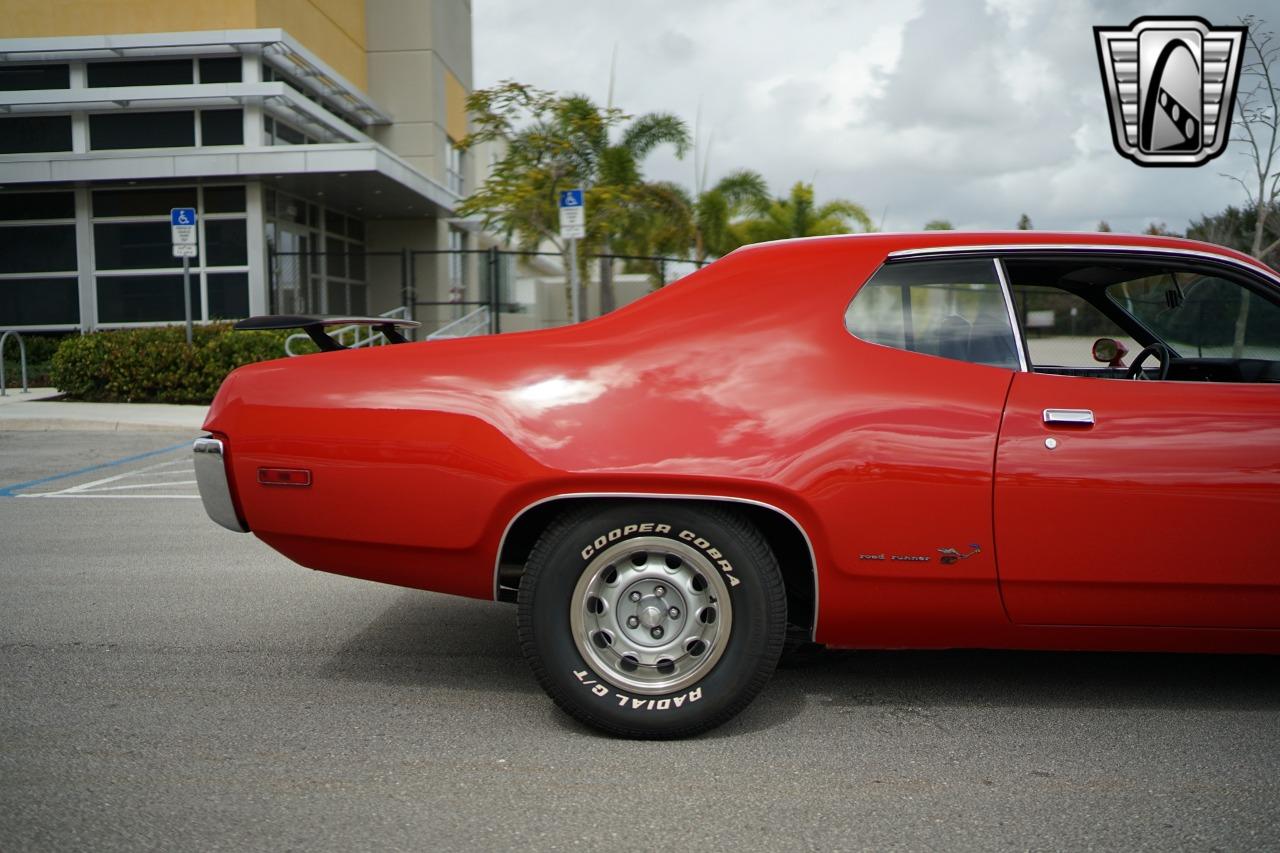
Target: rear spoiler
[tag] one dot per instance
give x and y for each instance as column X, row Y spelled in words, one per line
column 315, row 326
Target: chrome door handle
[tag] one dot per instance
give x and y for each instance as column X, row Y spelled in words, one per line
column 1071, row 417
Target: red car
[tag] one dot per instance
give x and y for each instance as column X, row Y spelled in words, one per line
column 1028, row 440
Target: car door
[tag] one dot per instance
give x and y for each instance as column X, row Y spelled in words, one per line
column 1143, row 503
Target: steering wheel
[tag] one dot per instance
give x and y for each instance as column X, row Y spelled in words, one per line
column 1162, row 354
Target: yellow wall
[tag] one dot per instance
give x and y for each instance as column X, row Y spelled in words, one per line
column 25, row 19
column 332, row 29
column 455, row 107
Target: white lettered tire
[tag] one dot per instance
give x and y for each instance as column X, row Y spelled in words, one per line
column 652, row 619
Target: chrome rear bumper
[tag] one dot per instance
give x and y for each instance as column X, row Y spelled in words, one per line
column 211, row 478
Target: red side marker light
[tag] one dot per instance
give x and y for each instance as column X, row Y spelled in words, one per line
column 284, row 476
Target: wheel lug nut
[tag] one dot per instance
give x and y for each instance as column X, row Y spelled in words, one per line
column 659, row 590
column 635, row 595
column 656, row 633
column 674, row 612
column 633, row 622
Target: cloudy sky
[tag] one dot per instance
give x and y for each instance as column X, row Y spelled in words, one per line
column 969, row 110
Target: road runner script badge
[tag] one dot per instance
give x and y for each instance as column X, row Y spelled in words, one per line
column 1171, row 88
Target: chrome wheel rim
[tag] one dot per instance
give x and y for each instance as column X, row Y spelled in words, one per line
column 651, row 615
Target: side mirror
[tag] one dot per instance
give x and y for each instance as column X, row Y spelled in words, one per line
column 1111, row 351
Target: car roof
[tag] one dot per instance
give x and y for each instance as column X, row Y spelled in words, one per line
column 919, row 241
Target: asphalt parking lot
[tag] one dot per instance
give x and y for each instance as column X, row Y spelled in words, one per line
column 165, row 684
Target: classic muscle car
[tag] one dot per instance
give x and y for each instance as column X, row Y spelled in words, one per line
column 1028, row 440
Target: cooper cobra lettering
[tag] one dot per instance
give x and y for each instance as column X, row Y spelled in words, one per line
column 618, row 532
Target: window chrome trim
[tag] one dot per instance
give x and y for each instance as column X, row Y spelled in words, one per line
column 813, row 557
column 1019, row 339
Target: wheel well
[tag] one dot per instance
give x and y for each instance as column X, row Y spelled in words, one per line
column 784, row 535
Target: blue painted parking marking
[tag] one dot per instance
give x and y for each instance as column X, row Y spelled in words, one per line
column 12, row 491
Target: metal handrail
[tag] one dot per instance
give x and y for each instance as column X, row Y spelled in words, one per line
column 371, row 337
column 22, row 354
column 463, row 327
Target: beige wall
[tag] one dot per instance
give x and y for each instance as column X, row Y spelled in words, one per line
column 420, row 71
column 332, row 29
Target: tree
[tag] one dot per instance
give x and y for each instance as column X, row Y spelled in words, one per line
column 1234, row 228
column 1024, row 223
column 640, row 218
column 736, row 195
column 557, row 142
column 1104, row 226
column 1257, row 125
column 1159, row 229
column 797, row 216
column 939, row 225
column 663, row 226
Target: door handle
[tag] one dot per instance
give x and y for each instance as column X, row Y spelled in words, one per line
column 1069, row 417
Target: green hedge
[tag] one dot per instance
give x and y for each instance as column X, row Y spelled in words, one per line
column 156, row 365
column 40, row 350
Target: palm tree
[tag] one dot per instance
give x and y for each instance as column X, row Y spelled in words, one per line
column 734, row 196
column 636, row 216
column 797, row 216
column 556, row 142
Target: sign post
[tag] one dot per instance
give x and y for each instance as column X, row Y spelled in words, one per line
column 182, row 222
column 573, row 227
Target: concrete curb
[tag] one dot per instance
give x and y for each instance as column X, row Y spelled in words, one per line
column 56, row 424
column 42, row 411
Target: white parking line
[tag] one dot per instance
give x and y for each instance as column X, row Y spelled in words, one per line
column 118, row 497
column 104, row 488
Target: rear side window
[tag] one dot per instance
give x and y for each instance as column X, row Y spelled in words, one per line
column 952, row 309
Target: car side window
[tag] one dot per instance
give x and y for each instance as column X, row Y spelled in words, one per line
column 952, row 309
column 1203, row 316
column 1060, row 327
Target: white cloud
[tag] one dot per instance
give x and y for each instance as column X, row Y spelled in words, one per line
column 970, row 110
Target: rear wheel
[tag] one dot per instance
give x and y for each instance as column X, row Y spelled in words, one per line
column 652, row 619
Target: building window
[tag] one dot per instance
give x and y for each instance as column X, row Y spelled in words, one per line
column 149, row 72
column 28, row 134
column 228, row 295
column 38, row 283
column 37, row 206
column 457, row 265
column 453, row 167
column 225, row 243
column 271, row 74
column 133, row 246
column 222, row 127
column 144, row 298
column 37, row 248
column 223, row 200
column 136, row 275
column 39, row 301
column 156, row 201
column 22, row 78
column 221, row 70
column 279, row 133
column 108, row 131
